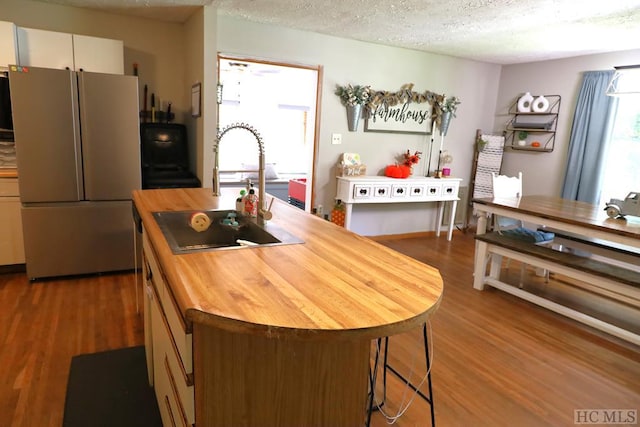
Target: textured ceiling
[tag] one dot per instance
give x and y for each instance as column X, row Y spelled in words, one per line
column 497, row 31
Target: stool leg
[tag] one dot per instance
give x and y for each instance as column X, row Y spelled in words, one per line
column 386, row 366
column 426, row 356
column 372, row 382
column 384, row 371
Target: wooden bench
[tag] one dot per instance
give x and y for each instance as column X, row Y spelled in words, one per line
column 613, row 281
column 567, row 259
column 608, row 252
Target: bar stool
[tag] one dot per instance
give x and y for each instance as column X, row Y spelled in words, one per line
column 374, row 373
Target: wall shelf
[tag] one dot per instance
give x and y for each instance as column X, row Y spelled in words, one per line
column 540, row 126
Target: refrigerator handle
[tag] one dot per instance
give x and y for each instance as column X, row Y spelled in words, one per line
column 77, row 141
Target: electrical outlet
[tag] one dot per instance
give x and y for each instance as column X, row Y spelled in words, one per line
column 336, row 138
column 319, row 211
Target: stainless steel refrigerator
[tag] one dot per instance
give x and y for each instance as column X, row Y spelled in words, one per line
column 78, row 153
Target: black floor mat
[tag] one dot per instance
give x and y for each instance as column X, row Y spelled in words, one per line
column 110, row 389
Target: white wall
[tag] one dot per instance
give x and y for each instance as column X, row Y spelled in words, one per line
column 174, row 56
column 543, row 173
column 194, row 73
column 384, row 68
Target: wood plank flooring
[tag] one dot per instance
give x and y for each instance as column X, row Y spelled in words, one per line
column 497, row 360
column 43, row 325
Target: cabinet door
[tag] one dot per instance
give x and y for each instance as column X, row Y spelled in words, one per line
column 149, row 295
column 11, row 241
column 7, row 44
column 98, row 55
column 47, row 49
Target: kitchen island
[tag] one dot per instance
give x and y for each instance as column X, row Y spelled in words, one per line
column 272, row 335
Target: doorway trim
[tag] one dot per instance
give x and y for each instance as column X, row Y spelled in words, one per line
column 310, row 195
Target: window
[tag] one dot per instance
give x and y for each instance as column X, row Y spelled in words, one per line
column 622, row 161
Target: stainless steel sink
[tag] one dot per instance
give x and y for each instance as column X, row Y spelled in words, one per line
column 182, row 238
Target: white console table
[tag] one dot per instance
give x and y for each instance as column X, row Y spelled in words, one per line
column 381, row 189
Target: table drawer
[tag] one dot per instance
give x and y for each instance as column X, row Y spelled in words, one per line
column 361, row 191
column 450, row 189
column 399, row 190
column 381, row 191
column 416, row 190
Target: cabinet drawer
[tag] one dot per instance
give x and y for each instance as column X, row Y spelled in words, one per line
column 174, row 388
column 9, row 187
column 181, row 339
column 181, row 401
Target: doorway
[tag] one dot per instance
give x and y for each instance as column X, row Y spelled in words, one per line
column 280, row 101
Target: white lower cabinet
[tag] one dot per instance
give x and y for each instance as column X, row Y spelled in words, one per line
column 11, row 240
column 170, row 374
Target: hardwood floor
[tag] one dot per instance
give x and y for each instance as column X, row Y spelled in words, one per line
column 501, row 361
column 497, row 360
column 43, row 325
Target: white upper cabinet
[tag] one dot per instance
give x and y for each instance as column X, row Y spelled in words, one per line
column 8, row 47
column 47, row 49
column 98, row 55
column 50, row 49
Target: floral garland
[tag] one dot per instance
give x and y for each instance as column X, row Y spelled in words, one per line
column 371, row 99
column 441, row 104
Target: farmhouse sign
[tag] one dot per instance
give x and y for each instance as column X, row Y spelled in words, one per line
column 404, row 111
column 407, row 117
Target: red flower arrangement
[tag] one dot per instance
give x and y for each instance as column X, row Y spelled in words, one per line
column 411, row 159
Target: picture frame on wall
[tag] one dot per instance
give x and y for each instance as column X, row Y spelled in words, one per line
column 408, row 117
column 196, row 100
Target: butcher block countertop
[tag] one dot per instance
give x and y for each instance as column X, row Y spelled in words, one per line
column 335, row 285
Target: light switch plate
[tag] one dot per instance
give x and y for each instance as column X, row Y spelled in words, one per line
column 336, row 138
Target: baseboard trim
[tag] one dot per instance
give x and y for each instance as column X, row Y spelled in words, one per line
column 404, row 235
column 13, row 268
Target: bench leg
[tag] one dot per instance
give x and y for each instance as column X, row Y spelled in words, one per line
column 480, row 262
column 495, row 266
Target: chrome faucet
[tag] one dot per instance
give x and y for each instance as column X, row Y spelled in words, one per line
column 263, row 214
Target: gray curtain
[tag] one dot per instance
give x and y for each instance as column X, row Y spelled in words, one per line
column 589, row 136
